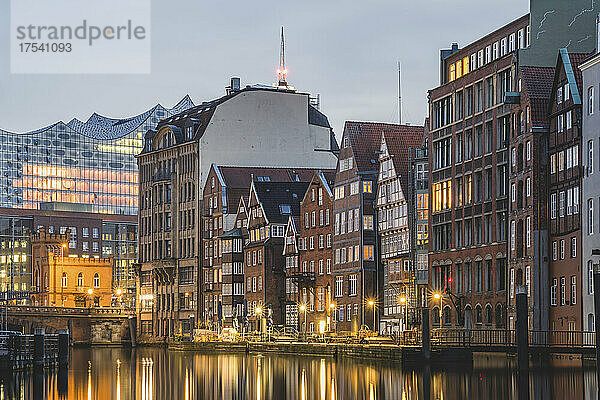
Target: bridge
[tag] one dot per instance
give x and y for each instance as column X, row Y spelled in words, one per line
column 87, row 325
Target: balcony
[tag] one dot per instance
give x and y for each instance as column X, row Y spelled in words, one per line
column 299, row 275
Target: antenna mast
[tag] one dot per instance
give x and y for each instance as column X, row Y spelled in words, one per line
column 282, row 71
column 399, row 93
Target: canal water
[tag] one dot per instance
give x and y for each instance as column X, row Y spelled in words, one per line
column 152, row 373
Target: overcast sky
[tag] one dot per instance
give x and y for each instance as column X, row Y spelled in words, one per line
column 345, row 50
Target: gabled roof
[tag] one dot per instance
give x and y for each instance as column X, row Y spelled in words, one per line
column 235, row 181
column 537, row 82
column 569, row 62
column 398, row 141
column 365, row 139
column 272, row 195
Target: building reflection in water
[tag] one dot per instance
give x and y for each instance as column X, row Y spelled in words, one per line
column 149, row 373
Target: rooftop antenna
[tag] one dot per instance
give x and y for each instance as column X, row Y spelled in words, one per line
column 282, row 70
column 399, row 92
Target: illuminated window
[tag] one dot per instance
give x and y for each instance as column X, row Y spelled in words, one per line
column 64, row 280
column 368, row 222
column 466, row 69
column 96, row 280
column 459, row 70
column 452, row 73
column 368, row 253
column 367, row 187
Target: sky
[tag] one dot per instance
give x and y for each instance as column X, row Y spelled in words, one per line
column 346, row 51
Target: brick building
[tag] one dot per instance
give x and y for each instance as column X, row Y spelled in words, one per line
column 565, row 179
column 468, row 147
column 67, row 280
column 528, row 182
column 308, row 253
column 392, row 205
column 223, row 235
column 356, row 273
column 255, row 124
column 270, row 204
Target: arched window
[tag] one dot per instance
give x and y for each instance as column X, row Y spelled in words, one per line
column 64, row 280
column 96, row 280
column 37, row 278
column 488, row 315
column 478, row 314
column 499, row 316
column 447, row 316
column 436, row 315
column 80, row 279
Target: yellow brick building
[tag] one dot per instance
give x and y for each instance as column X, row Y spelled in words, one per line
column 65, row 281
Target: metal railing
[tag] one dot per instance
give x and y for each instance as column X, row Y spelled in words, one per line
column 507, row 338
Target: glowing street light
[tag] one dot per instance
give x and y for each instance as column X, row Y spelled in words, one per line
column 371, row 303
column 438, row 296
column 403, row 302
column 303, row 309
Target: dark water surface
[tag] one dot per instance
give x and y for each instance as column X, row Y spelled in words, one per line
column 151, row 373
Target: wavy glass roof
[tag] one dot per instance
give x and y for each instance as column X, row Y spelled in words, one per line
column 90, row 163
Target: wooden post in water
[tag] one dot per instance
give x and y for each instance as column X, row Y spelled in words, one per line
column 425, row 335
column 522, row 342
column 38, row 347
column 132, row 330
column 63, row 348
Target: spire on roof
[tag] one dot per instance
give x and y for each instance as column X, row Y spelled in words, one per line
column 282, row 70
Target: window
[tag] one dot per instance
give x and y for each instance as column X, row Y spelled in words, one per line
column 573, row 247
column 368, row 252
column 96, row 280
column 590, row 277
column 367, row 187
column 553, row 292
column 562, row 249
column 339, row 286
column 528, row 229
column 352, row 280
column 64, row 280
column 553, row 206
column 590, row 158
column 368, row 222
column 563, row 299
column 590, row 100
column 573, row 289
column 554, row 251
column 590, row 212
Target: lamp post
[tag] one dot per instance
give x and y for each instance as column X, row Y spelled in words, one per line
column 405, row 319
column 439, row 296
column 90, row 293
column 372, row 304
column 331, row 314
column 303, row 309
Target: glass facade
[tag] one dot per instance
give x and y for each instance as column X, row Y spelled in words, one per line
column 119, row 240
column 15, row 253
column 89, row 163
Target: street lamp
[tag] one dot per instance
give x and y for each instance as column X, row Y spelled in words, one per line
column 439, row 296
column 119, row 293
column 403, row 302
column 90, row 292
column 372, row 304
column 303, row 309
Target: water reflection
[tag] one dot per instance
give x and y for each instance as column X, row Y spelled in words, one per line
column 150, row 373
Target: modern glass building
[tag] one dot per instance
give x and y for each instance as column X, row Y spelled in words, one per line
column 81, row 176
column 88, row 163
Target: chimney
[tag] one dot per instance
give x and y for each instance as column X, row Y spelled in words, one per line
column 454, row 47
column 235, row 84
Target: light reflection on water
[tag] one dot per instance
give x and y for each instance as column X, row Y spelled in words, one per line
column 152, row 373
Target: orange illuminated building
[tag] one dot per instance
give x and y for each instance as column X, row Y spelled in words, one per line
column 68, row 281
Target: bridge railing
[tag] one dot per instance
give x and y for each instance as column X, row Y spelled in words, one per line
column 64, row 310
column 507, row 338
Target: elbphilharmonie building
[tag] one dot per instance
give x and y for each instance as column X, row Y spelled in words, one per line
column 88, row 163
